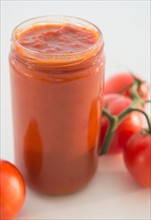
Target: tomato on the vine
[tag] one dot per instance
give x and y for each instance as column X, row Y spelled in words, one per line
column 119, row 83
column 115, row 104
column 137, row 156
column 12, row 190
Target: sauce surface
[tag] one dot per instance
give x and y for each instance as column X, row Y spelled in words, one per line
column 57, row 39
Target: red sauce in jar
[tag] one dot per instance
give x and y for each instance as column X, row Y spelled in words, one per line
column 57, row 39
column 57, row 75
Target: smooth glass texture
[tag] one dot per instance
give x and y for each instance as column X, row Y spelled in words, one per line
column 57, row 101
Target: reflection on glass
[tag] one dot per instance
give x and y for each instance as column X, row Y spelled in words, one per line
column 33, row 149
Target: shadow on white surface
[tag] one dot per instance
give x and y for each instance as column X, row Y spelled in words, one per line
column 105, row 186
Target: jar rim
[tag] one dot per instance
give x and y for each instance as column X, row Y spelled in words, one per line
column 60, row 19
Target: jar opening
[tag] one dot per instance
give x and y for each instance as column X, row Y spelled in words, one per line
column 36, row 56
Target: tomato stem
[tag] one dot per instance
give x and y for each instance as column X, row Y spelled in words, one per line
column 134, row 91
column 125, row 88
column 146, row 116
column 116, row 120
column 137, row 79
column 110, row 133
column 137, row 82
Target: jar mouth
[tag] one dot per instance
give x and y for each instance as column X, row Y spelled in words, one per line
column 56, row 19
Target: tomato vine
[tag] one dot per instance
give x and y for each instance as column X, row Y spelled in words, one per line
column 116, row 120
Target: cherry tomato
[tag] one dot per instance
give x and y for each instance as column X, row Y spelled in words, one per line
column 137, row 156
column 12, row 190
column 115, row 104
column 118, row 82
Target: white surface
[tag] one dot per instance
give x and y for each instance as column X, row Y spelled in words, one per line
column 112, row 194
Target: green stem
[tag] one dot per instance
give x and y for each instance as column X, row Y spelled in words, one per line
column 147, row 101
column 134, row 90
column 110, row 133
column 137, row 82
column 146, row 116
column 126, row 88
column 137, row 79
column 116, row 120
column 131, row 109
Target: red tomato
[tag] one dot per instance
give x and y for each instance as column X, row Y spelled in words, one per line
column 137, row 156
column 12, row 190
column 119, row 81
column 115, row 104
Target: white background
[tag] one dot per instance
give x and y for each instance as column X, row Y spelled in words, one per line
column 112, row 194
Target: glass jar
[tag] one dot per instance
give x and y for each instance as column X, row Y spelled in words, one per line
column 57, row 105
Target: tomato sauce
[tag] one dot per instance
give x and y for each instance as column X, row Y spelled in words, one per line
column 57, row 39
column 57, row 72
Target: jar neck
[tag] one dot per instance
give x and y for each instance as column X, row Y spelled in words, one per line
column 59, row 63
column 30, row 57
column 37, row 65
column 34, row 56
